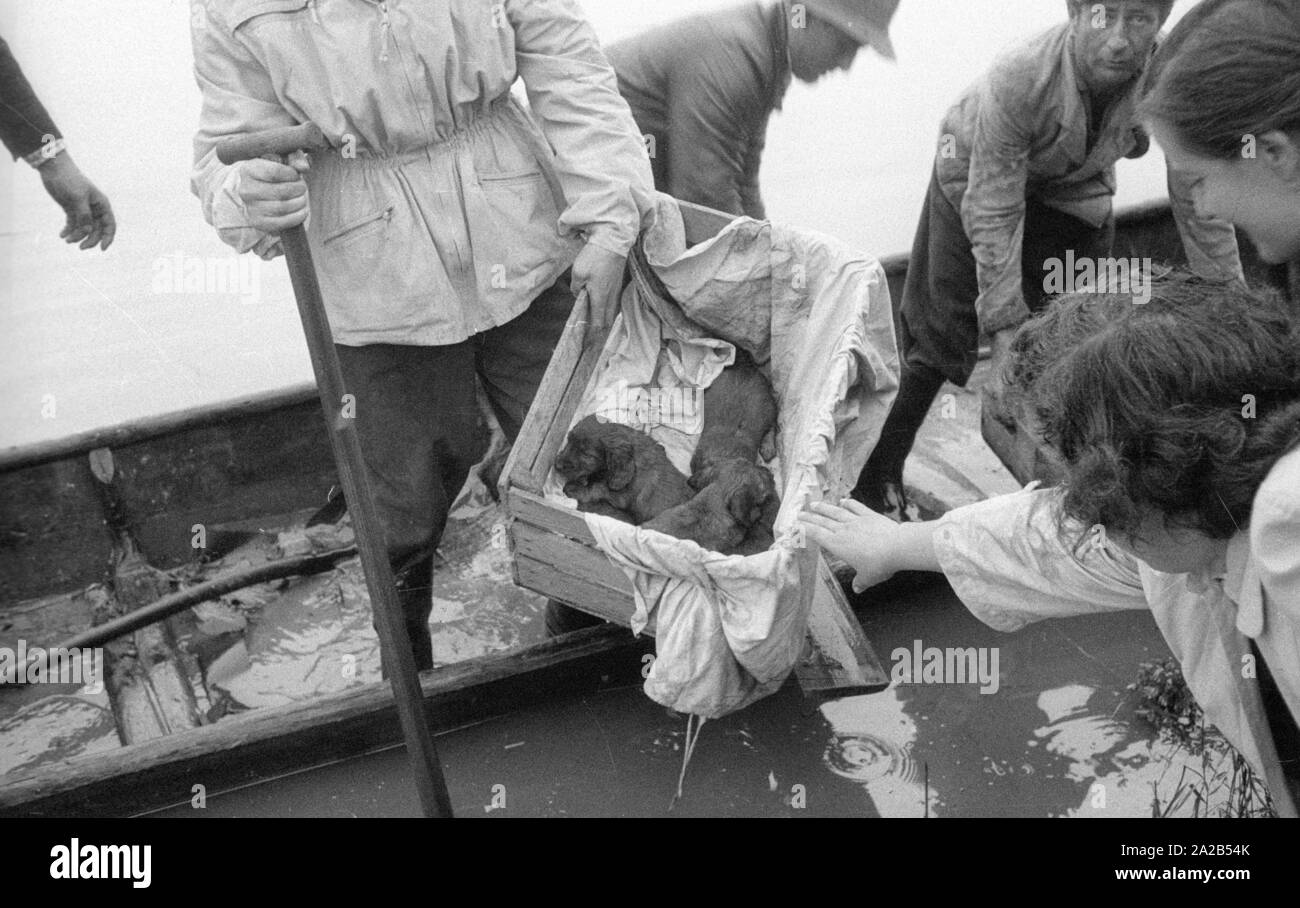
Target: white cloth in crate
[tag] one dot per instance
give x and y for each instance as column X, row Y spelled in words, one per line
column 817, row 318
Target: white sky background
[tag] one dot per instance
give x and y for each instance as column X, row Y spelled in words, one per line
column 850, row 156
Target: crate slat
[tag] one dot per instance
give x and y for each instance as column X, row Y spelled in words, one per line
column 536, row 510
column 570, row 558
column 575, row 591
column 522, row 469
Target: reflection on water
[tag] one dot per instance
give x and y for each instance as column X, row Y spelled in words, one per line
column 54, row 728
column 873, row 744
column 1059, row 738
column 1122, row 768
column 864, row 758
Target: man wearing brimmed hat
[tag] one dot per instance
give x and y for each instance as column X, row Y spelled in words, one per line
column 702, row 89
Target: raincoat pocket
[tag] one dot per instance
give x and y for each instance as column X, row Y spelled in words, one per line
column 353, row 252
column 508, row 180
column 521, row 232
column 360, row 227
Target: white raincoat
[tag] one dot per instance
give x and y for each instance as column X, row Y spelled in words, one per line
column 441, row 209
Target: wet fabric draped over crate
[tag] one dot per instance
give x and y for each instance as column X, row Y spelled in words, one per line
column 816, row 316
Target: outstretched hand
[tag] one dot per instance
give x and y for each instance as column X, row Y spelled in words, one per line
column 856, row 535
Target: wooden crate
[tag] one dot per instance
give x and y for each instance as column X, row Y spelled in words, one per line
column 556, row 555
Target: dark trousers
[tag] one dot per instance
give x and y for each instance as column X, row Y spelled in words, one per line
column 938, row 326
column 420, row 430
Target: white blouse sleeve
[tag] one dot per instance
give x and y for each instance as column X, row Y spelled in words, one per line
column 1009, row 564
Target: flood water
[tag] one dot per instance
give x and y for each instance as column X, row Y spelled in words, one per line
column 1059, row 724
column 1058, row 738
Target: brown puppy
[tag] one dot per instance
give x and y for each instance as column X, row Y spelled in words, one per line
column 733, row 514
column 739, row 412
column 760, row 536
column 626, row 469
column 594, row 505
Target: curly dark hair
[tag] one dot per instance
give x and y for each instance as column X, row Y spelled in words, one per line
column 1180, row 405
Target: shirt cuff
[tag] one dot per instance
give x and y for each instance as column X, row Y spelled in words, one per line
column 46, row 153
column 230, row 217
column 610, row 240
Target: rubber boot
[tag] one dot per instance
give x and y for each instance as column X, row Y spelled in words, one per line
column 880, row 485
column 415, row 594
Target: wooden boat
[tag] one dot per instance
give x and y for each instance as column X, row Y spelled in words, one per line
column 67, row 506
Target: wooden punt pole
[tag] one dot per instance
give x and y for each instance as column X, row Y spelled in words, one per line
column 395, row 643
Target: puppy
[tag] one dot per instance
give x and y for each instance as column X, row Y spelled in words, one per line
column 733, row 514
column 739, row 414
column 621, row 467
column 754, row 478
column 593, row 498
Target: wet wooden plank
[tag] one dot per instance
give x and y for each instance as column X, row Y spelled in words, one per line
column 569, row 557
column 538, row 511
column 540, row 437
column 147, row 686
column 579, row 592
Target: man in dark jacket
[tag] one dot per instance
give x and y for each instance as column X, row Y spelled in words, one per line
column 702, row 89
column 28, row 132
